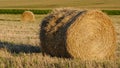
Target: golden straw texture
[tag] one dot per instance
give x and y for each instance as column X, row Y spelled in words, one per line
column 28, row 16
column 83, row 34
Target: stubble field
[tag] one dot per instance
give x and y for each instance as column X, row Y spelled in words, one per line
column 19, row 46
column 45, row 4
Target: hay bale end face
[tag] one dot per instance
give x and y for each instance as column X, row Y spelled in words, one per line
column 87, row 34
column 28, row 16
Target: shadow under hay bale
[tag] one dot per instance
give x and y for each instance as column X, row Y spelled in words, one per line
column 28, row 16
column 18, row 48
column 71, row 33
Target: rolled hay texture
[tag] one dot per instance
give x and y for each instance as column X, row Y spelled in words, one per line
column 83, row 34
column 28, row 16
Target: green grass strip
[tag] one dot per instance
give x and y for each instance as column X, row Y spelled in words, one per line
column 20, row 11
column 46, row 11
column 112, row 12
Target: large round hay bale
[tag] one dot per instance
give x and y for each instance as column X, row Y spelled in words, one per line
column 84, row 34
column 28, row 16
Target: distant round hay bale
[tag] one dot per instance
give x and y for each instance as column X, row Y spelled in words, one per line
column 83, row 34
column 28, row 16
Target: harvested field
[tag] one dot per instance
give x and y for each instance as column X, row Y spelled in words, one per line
column 19, row 44
column 36, row 4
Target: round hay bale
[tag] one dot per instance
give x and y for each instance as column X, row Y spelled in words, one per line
column 83, row 34
column 28, row 16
